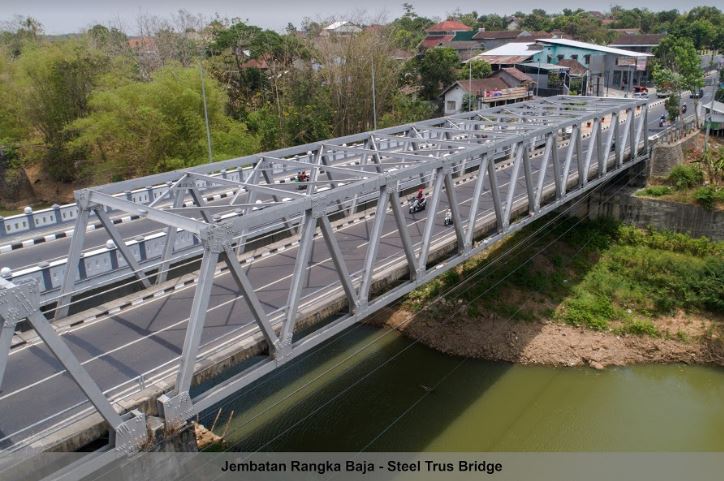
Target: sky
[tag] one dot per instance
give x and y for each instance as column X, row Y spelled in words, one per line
column 72, row 16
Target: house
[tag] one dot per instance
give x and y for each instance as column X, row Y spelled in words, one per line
column 715, row 114
column 341, row 27
column 512, row 23
column 608, row 67
column 495, row 38
column 504, row 87
column 643, row 42
column 442, row 33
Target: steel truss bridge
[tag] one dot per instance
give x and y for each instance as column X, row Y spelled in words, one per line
column 512, row 164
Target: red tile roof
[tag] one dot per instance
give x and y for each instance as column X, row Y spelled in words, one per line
column 430, row 42
column 479, row 85
column 449, row 26
column 517, row 74
column 575, row 67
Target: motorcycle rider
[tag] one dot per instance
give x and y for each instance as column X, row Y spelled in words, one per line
column 662, row 119
column 420, row 196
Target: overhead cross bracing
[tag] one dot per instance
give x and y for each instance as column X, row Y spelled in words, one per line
column 339, row 170
column 538, row 147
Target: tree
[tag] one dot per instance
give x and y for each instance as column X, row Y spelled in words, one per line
column 406, row 109
column 476, row 69
column 53, row 83
column 673, row 107
column 408, row 30
column 438, row 69
column 537, row 21
column 144, row 127
column 470, row 102
column 678, row 67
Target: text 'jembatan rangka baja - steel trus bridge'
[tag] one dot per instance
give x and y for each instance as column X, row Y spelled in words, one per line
column 491, row 172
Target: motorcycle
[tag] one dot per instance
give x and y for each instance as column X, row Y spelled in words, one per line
column 683, row 109
column 417, row 205
column 448, row 220
column 301, row 181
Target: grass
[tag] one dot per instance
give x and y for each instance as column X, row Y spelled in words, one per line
column 654, row 191
column 598, row 275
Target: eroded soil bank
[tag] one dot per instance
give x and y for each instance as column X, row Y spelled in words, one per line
column 554, row 343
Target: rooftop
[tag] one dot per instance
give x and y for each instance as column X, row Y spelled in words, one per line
column 593, row 46
column 478, row 85
column 449, row 26
column 574, row 66
column 517, row 74
column 638, row 40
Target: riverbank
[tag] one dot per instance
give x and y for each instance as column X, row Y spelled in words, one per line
column 553, row 343
column 592, row 293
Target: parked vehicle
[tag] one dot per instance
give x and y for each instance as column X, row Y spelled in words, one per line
column 663, row 94
column 697, row 95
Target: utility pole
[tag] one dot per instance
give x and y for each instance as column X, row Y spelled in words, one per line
column 206, row 111
column 470, row 82
column 711, row 112
column 374, row 96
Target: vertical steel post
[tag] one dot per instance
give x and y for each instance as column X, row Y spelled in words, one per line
column 197, row 318
column 71, row 264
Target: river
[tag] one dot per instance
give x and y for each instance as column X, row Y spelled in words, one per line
column 375, row 390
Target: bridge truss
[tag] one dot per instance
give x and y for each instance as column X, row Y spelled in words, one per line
column 346, row 175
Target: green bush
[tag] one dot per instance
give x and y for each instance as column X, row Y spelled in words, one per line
column 708, row 196
column 641, row 328
column 685, row 177
column 655, row 190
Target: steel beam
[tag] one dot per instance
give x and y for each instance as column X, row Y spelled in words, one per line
column 121, row 246
column 373, row 244
column 430, row 221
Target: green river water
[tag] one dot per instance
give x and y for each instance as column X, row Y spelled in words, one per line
column 371, row 389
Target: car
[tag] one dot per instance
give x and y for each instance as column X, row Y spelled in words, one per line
column 640, row 95
column 663, row 94
column 640, row 89
column 697, row 95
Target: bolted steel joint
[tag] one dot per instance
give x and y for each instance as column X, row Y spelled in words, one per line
column 130, row 436
column 82, row 198
column 18, row 301
column 282, row 351
column 217, row 237
column 176, row 410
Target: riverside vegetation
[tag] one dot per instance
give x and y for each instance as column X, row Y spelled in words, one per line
column 698, row 181
column 600, row 280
